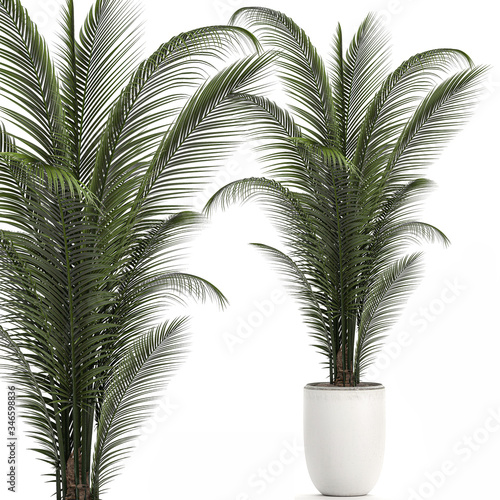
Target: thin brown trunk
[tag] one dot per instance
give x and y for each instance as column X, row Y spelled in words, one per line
column 83, row 488
column 341, row 373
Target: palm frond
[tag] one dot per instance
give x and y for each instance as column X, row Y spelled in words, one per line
column 276, row 128
column 416, row 232
column 287, row 210
column 148, row 99
column 130, row 393
column 338, row 88
column 177, row 285
column 93, row 71
column 301, row 69
column 301, row 288
column 32, row 400
column 360, row 75
column 387, row 296
column 55, row 178
column 28, row 80
column 269, row 190
column 158, row 245
column 396, row 100
column 194, row 142
column 438, row 118
column 148, row 256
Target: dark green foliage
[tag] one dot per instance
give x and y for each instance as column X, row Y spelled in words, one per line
column 345, row 175
column 92, row 176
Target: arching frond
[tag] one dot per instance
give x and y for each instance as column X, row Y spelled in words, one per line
column 301, row 289
column 302, row 70
column 362, row 71
column 188, row 150
column 29, row 81
column 438, row 118
column 177, row 64
column 387, row 296
column 129, row 395
column 396, row 100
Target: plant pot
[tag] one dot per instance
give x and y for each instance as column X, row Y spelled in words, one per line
column 344, row 437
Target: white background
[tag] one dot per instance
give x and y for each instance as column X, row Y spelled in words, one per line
column 229, row 427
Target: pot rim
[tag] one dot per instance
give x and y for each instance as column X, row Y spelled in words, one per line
column 363, row 386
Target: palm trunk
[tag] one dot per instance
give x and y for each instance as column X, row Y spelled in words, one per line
column 87, row 425
column 76, row 489
column 344, row 377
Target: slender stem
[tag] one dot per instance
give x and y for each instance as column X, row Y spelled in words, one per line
column 331, row 355
column 75, row 114
column 62, row 458
column 83, row 472
column 351, row 350
column 336, row 346
column 67, row 446
column 341, row 265
column 58, row 483
column 333, row 347
column 76, row 411
column 76, row 445
column 87, row 426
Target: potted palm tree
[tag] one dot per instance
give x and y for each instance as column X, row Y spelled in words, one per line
column 100, row 152
column 344, row 185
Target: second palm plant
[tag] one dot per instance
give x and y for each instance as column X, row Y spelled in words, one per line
column 345, row 175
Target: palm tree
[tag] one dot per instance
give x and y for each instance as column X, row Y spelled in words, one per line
column 345, row 175
column 94, row 173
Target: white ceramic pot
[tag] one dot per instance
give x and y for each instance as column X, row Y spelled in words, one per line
column 344, row 437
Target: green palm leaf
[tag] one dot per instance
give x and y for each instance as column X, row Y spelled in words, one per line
column 302, row 70
column 361, row 73
column 180, row 62
column 300, row 286
column 28, row 80
column 438, row 118
column 94, row 69
column 194, row 141
column 396, row 100
column 386, row 298
column 129, row 395
column 32, row 401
